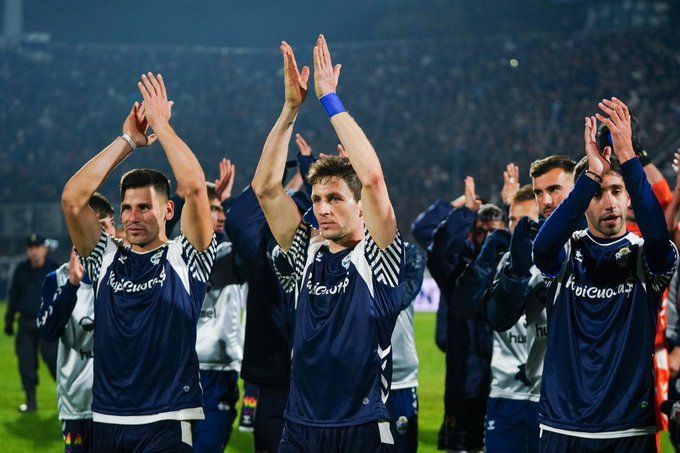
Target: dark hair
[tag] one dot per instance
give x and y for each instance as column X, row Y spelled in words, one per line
column 331, row 167
column 524, row 193
column 212, row 194
column 145, row 177
column 542, row 166
column 101, row 206
column 582, row 166
column 490, row 212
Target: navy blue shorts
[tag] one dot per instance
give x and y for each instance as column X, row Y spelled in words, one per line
column 168, row 436
column 463, row 427
column 559, row 443
column 269, row 421
column 220, row 397
column 403, row 407
column 511, row 426
column 367, row 437
column 77, row 435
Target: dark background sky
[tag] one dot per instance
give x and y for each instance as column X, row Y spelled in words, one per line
column 264, row 23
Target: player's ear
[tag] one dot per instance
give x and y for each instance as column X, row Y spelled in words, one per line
column 169, row 210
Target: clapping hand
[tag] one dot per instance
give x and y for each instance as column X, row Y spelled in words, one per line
column 620, row 128
column 295, row 82
column 157, row 110
column 510, row 183
column 598, row 162
column 225, row 183
column 471, row 200
column 326, row 75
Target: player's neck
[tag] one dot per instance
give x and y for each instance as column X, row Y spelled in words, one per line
column 151, row 246
column 346, row 242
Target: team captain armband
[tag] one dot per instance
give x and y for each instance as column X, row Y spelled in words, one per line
column 332, row 104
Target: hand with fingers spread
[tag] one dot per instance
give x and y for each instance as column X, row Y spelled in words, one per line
column 619, row 123
column 303, row 147
column 598, row 162
column 156, row 107
column 295, row 82
column 136, row 127
column 225, row 183
column 341, row 153
column 510, row 183
column 326, row 75
column 471, row 200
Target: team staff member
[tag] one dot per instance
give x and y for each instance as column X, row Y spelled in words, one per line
column 24, row 298
column 604, row 292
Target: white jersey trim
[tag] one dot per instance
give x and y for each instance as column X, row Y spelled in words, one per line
column 407, row 384
column 604, row 435
column 517, row 396
column 194, row 413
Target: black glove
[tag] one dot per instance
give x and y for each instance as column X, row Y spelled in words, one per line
column 9, row 328
column 520, row 247
column 495, row 244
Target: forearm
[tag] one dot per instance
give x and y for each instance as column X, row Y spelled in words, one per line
column 185, row 166
column 272, row 164
column 671, row 212
column 557, row 229
column 426, row 223
column 55, row 312
column 506, row 301
column 361, row 154
column 649, row 215
column 87, row 180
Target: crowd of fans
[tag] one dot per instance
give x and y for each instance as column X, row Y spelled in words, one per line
column 435, row 111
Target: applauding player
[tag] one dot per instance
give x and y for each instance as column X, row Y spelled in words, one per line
column 347, row 276
column 148, row 295
column 604, row 292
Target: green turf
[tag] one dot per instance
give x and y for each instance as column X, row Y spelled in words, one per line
column 41, row 432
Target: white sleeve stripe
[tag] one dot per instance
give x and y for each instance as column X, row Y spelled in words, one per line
column 93, row 262
column 386, row 264
column 200, row 263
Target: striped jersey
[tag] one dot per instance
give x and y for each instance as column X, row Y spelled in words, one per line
column 346, row 308
column 147, row 306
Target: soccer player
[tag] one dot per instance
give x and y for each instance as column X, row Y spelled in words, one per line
column 347, row 276
column 219, row 340
column 519, row 289
column 403, row 401
column 67, row 315
column 24, row 297
column 510, row 423
column 148, row 295
column 605, row 286
column 456, row 242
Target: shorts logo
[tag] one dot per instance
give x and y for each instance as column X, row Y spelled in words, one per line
column 491, row 425
column 644, row 404
column 402, row 424
column 579, row 256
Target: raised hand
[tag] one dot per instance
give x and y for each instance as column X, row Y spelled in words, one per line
column 136, row 127
column 520, row 247
column 75, row 269
column 620, row 128
column 471, row 200
column 302, row 145
column 295, row 82
column 225, row 183
column 341, row 153
column 326, row 75
column 156, row 108
column 598, row 163
column 510, row 183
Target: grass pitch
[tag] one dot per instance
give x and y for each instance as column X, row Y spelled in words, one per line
column 40, row 432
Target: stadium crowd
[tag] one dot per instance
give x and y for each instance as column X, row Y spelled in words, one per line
column 555, row 333
column 453, row 95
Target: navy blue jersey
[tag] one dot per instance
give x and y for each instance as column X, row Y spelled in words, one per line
column 346, row 308
column 147, row 306
column 602, row 302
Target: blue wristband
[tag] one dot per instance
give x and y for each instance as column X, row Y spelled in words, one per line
column 331, row 102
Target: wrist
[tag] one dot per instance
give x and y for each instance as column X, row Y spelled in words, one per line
column 593, row 175
column 332, row 104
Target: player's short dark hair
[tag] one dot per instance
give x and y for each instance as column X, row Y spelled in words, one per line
column 542, row 166
column 212, row 194
column 101, row 205
column 331, row 167
column 489, row 213
column 524, row 193
column 582, row 166
column 145, row 177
